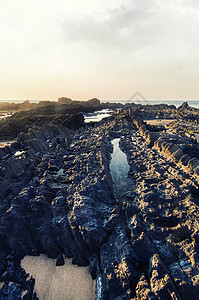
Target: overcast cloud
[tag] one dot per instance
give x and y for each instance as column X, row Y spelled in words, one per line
column 106, row 49
column 141, row 26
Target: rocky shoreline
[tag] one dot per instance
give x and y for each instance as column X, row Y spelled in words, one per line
column 57, row 198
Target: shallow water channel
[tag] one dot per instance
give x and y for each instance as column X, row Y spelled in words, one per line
column 119, row 170
column 97, row 115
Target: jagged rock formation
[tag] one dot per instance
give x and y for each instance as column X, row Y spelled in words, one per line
column 163, row 223
column 22, row 121
column 65, row 112
column 57, row 198
column 180, row 148
column 27, row 105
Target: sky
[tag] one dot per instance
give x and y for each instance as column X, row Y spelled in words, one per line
column 107, row 49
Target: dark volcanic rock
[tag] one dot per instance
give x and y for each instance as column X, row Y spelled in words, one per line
column 57, row 114
column 60, row 260
column 57, row 198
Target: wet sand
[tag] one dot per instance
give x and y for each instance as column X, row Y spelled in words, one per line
column 53, row 282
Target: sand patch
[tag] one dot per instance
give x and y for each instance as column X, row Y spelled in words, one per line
column 53, row 282
column 158, row 122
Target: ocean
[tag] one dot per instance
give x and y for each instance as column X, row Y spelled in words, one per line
column 177, row 103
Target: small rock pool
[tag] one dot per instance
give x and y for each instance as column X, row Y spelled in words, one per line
column 119, row 170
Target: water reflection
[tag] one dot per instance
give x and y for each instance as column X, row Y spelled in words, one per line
column 119, row 170
column 97, row 116
column 6, row 143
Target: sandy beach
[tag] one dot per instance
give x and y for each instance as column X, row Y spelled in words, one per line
column 67, row 282
column 159, row 121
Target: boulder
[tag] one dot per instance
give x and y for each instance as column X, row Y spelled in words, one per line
column 94, row 102
column 65, row 100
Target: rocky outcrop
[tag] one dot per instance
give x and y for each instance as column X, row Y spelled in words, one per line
column 163, row 232
column 94, row 102
column 65, row 112
column 53, row 114
column 57, row 198
column 60, row 196
column 65, row 100
column 173, row 146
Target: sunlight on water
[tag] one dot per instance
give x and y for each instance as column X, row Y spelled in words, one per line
column 119, row 169
column 97, row 116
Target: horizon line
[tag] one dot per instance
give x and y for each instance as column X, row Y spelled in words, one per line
column 123, row 100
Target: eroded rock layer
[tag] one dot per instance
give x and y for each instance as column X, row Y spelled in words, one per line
column 57, row 198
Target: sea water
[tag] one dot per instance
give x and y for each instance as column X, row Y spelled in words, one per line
column 119, row 168
column 177, row 103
